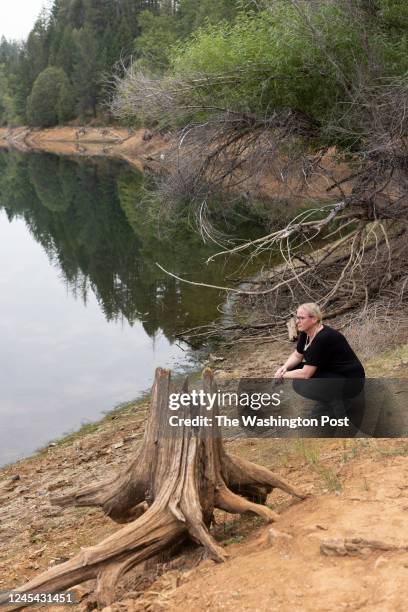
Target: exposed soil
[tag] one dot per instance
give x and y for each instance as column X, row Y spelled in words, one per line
column 358, row 490
column 138, row 147
column 290, row 570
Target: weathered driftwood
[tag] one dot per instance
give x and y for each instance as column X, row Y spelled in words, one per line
column 167, row 494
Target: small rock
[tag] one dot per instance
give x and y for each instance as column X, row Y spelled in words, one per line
column 10, row 484
column 215, row 358
column 130, row 438
column 53, row 512
column 59, row 560
column 37, row 553
column 380, row 561
column 58, row 484
column 80, row 592
column 333, row 547
column 274, row 535
column 117, row 445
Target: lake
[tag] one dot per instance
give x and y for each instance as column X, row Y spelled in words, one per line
column 85, row 314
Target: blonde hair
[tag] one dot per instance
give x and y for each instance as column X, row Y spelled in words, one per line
column 313, row 310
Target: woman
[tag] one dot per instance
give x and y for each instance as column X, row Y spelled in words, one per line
column 323, row 355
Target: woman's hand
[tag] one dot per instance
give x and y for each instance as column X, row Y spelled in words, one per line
column 280, row 372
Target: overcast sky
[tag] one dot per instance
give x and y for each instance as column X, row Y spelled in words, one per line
column 17, row 17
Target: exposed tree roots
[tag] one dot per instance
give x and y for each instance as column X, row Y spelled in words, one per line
column 167, row 495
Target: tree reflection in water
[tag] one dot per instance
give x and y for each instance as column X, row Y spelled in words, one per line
column 90, row 218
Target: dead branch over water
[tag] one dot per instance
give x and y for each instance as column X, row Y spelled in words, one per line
column 347, row 250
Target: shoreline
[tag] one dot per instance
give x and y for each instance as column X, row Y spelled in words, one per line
column 244, row 361
column 35, row 534
column 344, row 477
column 83, row 430
column 119, row 411
column 140, row 148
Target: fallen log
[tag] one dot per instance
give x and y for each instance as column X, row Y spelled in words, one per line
column 168, row 494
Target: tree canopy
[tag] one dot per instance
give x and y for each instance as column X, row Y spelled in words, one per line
column 90, row 40
column 51, row 98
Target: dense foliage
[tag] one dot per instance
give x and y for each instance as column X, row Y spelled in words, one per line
column 51, row 98
column 309, row 58
column 90, row 40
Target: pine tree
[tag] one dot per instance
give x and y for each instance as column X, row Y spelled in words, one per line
column 85, row 73
column 44, row 102
column 21, row 85
column 66, row 101
column 67, row 52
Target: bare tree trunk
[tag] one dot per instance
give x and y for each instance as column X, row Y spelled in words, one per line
column 168, row 494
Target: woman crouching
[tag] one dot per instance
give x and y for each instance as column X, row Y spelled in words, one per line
column 324, row 359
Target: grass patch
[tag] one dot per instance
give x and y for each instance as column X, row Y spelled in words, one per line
column 388, row 362
column 310, row 451
column 400, row 450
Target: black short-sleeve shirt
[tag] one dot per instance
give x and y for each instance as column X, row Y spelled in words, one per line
column 331, row 352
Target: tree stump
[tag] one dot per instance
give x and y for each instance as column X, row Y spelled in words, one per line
column 167, row 495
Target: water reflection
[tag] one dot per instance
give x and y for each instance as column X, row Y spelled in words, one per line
column 88, row 218
column 86, row 332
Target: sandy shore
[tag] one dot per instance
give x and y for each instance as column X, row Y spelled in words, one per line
column 138, row 147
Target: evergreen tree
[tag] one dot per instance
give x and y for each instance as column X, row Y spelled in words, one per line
column 85, row 74
column 67, row 52
column 37, row 47
column 87, row 38
column 44, row 102
column 159, row 33
column 77, row 14
column 21, row 85
column 66, row 101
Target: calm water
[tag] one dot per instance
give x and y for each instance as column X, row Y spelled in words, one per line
column 85, row 314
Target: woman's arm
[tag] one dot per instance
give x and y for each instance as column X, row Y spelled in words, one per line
column 306, row 372
column 292, row 361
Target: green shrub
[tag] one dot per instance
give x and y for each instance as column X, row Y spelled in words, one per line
column 302, row 58
column 51, row 99
column 272, row 60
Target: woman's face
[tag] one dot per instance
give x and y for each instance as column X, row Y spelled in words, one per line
column 304, row 320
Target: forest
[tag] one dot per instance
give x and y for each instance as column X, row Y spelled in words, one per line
column 64, row 69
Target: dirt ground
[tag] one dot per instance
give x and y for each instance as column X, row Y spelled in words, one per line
column 344, row 547
column 140, row 148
